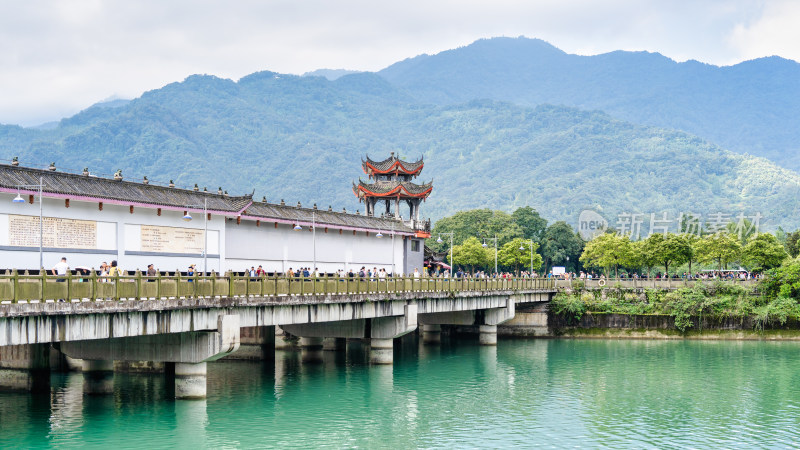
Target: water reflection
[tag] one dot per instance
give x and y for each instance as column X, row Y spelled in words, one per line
column 66, row 408
column 458, row 394
column 191, row 420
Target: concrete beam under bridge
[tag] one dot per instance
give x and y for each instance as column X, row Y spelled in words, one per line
column 380, row 330
column 189, row 351
column 487, row 320
column 62, row 322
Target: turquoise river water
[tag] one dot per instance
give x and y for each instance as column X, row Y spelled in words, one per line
column 522, row 393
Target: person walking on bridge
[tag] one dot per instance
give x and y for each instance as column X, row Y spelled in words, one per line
column 61, row 268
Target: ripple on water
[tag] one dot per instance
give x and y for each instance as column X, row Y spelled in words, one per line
column 553, row 393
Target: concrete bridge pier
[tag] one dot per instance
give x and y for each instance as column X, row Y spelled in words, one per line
column 431, row 334
column 334, row 344
column 381, row 351
column 284, row 340
column 25, row 367
column 60, row 362
column 311, row 350
column 381, row 331
column 487, row 334
column 98, row 376
column 189, row 352
column 256, row 343
column 190, row 380
column 486, row 320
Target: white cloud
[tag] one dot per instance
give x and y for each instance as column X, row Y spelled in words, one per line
column 58, row 57
column 776, row 32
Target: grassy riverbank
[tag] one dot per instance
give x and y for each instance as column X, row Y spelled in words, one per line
column 686, row 306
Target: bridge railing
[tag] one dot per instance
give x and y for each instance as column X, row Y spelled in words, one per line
column 21, row 288
column 650, row 283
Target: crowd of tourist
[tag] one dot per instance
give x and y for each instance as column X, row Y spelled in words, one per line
column 108, row 271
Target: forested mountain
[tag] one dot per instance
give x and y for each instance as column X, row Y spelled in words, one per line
column 302, row 138
column 752, row 107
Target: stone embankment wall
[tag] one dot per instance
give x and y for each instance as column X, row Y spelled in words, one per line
column 535, row 321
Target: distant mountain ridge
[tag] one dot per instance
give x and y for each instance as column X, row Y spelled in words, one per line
column 330, row 74
column 302, row 138
column 752, row 107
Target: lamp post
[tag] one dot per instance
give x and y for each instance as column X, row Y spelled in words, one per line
column 297, row 227
column 495, row 250
column 19, row 199
column 439, row 240
column 522, row 247
column 188, row 218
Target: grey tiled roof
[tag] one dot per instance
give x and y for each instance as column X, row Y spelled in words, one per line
column 74, row 185
column 387, row 163
column 82, row 187
column 382, row 187
column 323, row 217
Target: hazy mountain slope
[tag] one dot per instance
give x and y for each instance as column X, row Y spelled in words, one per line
column 302, row 138
column 752, row 107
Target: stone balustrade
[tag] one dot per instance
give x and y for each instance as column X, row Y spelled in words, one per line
column 22, row 288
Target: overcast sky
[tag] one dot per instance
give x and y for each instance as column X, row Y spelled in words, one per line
column 60, row 56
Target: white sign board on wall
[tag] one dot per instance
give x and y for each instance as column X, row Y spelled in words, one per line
column 23, row 231
column 161, row 239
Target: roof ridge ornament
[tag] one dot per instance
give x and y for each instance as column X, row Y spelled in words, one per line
column 171, row 184
column 86, row 171
column 118, row 175
column 196, row 188
column 52, row 167
column 145, row 180
column 15, row 161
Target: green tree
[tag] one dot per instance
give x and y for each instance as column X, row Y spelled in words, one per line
column 517, row 253
column 667, row 250
column 792, row 244
column 743, row 230
column 608, row 250
column 783, row 281
column 561, row 245
column 481, row 223
column 691, row 240
column 471, row 254
column 640, row 258
column 722, row 248
column 532, row 224
column 762, row 252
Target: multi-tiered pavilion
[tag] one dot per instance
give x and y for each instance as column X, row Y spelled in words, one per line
column 391, row 183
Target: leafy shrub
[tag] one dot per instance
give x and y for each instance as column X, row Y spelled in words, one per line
column 783, row 281
column 571, row 307
column 776, row 311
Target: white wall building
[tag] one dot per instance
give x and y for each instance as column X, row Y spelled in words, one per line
column 90, row 220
